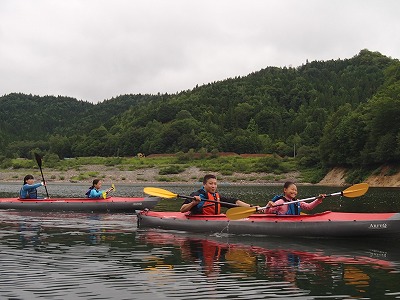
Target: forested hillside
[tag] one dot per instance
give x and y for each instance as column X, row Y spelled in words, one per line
column 337, row 112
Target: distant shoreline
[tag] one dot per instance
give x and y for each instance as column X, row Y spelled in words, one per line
column 189, row 177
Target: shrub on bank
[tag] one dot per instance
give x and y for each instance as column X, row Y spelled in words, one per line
column 226, row 165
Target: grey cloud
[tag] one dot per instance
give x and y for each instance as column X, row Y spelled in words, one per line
column 97, row 49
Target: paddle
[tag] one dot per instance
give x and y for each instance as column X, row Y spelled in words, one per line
column 167, row 194
column 112, row 188
column 39, row 162
column 237, row 213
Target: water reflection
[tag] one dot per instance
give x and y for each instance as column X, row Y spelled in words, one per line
column 29, row 234
column 94, row 256
column 39, row 230
column 104, row 256
column 327, row 267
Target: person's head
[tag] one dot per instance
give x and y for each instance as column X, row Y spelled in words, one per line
column 290, row 190
column 210, row 183
column 28, row 179
column 96, row 183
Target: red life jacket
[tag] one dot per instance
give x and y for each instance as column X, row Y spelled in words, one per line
column 211, row 208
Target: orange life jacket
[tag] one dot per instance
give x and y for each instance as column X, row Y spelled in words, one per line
column 212, row 208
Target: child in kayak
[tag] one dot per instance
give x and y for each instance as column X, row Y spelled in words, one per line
column 289, row 194
column 95, row 190
column 29, row 188
column 200, row 205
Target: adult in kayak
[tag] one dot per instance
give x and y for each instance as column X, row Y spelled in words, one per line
column 29, row 188
column 277, row 204
column 199, row 204
column 95, row 190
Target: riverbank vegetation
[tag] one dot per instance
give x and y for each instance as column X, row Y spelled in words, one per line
column 181, row 167
column 167, row 165
column 314, row 117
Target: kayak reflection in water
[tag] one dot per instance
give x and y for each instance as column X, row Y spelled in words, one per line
column 29, row 234
column 208, row 254
column 293, row 265
column 29, row 188
column 278, row 204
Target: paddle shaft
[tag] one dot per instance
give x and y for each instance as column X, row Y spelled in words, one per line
column 220, row 202
column 39, row 162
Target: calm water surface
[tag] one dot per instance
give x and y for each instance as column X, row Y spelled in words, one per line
column 105, row 256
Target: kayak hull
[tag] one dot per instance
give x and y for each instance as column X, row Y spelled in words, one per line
column 111, row 204
column 326, row 224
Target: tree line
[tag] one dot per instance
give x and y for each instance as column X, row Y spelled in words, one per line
column 326, row 113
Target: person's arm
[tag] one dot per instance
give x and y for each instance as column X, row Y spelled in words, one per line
column 275, row 207
column 31, row 186
column 95, row 194
column 187, row 206
column 312, row 205
column 242, row 203
column 234, row 202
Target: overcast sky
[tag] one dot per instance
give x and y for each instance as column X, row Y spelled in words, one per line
column 94, row 50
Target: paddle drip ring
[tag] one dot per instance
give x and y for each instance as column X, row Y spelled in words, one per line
column 226, row 227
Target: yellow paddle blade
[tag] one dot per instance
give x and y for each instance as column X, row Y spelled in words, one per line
column 113, row 187
column 242, row 260
column 240, row 212
column 159, row 192
column 356, row 190
column 104, row 195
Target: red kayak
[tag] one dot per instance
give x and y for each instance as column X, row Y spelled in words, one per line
column 111, row 204
column 326, row 224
